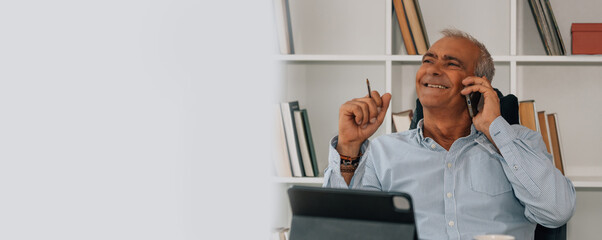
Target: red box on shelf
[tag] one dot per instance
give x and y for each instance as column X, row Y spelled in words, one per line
column 587, row 38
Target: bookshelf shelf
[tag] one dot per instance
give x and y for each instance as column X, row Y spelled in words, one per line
column 418, row 58
column 332, row 57
column 586, row 181
column 559, row 59
column 299, row 180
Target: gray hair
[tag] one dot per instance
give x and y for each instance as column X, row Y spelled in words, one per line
column 484, row 67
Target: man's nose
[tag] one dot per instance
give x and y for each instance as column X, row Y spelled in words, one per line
column 434, row 69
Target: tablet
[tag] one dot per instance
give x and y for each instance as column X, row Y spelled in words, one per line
column 328, row 213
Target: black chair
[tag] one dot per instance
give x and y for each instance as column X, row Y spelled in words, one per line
column 509, row 111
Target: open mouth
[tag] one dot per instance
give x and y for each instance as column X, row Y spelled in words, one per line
column 435, row 86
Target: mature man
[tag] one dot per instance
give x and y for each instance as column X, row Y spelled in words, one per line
column 467, row 176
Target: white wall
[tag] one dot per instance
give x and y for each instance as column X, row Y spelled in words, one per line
column 134, row 119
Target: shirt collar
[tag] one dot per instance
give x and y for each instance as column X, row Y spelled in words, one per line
column 473, row 132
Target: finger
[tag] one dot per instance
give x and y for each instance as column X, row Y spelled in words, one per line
column 386, row 98
column 373, row 112
column 351, row 111
column 473, row 88
column 377, row 99
column 487, row 92
column 476, row 81
column 354, row 111
column 363, row 107
column 476, row 88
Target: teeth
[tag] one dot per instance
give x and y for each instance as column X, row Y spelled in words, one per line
column 436, row 86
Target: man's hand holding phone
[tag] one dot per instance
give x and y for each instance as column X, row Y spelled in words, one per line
column 359, row 118
column 491, row 103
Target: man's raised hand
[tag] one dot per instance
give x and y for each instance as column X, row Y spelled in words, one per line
column 359, row 118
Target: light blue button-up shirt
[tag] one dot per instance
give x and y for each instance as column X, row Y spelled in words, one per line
column 470, row 189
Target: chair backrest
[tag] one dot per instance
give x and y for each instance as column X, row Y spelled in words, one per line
column 544, row 233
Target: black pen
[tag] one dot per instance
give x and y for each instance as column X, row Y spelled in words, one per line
column 369, row 91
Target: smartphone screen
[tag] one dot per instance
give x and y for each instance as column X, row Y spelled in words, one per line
column 472, row 100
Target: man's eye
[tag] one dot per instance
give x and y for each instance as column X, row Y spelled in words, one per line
column 453, row 64
column 426, row 61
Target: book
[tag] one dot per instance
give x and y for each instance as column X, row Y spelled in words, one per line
column 554, row 27
column 527, row 114
column 537, row 15
column 555, row 140
column 421, row 19
column 284, row 26
column 310, row 143
column 541, row 117
column 402, row 120
column 404, row 27
column 415, row 26
column 281, row 157
column 303, row 147
column 288, row 109
column 280, row 233
column 547, row 27
column 545, row 11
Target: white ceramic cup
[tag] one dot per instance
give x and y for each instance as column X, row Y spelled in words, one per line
column 493, row 237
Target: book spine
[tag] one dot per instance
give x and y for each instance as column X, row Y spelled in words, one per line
column 303, row 148
column 556, row 30
column 527, row 114
column 310, row 143
column 404, row 27
column 543, row 126
column 281, row 159
column 281, row 26
column 289, row 27
column 415, row 26
column 556, row 142
column 538, row 22
column 545, row 11
column 291, row 138
column 424, row 33
column 545, row 27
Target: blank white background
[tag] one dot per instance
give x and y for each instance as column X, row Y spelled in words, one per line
column 135, row 119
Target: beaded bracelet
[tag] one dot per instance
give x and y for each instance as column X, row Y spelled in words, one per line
column 350, row 161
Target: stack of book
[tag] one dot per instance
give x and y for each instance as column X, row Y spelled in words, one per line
column 547, row 26
column 412, row 27
column 297, row 153
column 547, row 125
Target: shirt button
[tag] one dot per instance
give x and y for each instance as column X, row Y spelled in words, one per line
column 448, row 165
column 451, row 223
column 449, row 195
column 433, row 146
column 515, row 167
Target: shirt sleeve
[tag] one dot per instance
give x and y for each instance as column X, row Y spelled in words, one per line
column 548, row 196
column 364, row 177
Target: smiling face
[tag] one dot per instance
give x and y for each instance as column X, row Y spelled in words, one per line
column 444, row 66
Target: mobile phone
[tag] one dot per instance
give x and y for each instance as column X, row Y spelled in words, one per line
column 472, row 100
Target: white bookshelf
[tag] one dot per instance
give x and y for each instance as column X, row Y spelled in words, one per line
column 340, row 43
